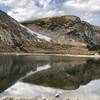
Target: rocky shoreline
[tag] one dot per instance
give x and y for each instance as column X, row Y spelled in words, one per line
column 34, row 98
column 43, row 54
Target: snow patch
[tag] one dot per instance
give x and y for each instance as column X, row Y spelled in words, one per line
column 39, row 36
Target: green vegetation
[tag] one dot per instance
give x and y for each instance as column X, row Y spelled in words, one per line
column 94, row 48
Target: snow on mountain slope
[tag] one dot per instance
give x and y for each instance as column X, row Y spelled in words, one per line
column 40, row 36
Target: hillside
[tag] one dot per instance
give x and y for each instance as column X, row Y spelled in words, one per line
column 65, row 34
column 15, row 37
column 68, row 30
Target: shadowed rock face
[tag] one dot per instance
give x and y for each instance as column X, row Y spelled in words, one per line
column 67, row 75
column 67, row 30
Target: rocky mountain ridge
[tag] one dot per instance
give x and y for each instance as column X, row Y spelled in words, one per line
column 67, row 30
column 63, row 34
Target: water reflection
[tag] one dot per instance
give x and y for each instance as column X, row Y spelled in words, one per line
column 13, row 68
column 89, row 92
column 66, row 74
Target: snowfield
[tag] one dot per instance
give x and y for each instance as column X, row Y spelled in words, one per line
column 39, row 36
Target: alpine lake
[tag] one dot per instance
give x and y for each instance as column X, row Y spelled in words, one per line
column 55, row 77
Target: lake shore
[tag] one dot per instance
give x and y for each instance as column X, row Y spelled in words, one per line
column 43, row 54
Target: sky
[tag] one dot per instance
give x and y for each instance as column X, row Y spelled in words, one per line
column 88, row 10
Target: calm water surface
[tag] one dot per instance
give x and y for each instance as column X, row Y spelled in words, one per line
column 45, row 76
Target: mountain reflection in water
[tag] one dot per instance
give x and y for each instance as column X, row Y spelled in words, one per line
column 62, row 73
column 12, row 68
column 66, row 75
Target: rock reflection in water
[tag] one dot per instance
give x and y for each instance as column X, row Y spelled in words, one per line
column 66, row 75
column 12, row 68
column 51, row 71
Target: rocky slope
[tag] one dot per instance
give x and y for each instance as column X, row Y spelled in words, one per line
column 16, row 37
column 66, row 34
column 67, row 30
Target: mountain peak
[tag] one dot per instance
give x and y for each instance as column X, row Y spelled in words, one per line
column 66, row 30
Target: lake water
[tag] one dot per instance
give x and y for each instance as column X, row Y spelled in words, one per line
column 46, row 76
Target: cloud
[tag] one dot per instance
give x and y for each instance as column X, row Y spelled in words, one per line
column 25, row 9
column 88, row 10
column 88, row 5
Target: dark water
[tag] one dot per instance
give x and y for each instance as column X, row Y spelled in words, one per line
column 48, row 75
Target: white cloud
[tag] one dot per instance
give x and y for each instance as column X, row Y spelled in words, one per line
column 25, row 9
column 88, row 10
column 90, row 5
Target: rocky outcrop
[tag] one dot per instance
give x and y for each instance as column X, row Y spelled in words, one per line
column 67, row 30
column 17, row 37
